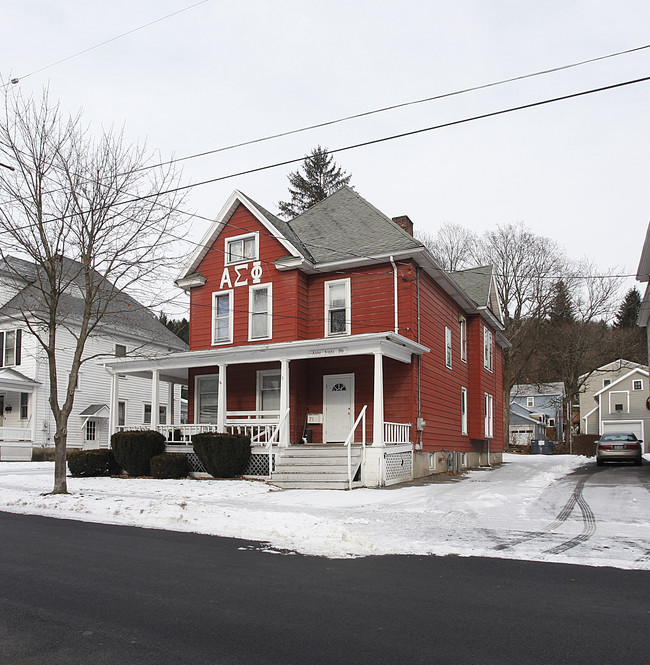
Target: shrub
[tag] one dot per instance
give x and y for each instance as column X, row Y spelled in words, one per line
column 134, row 450
column 583, row 444
column 169, row 465
column 100, row 462
column 222, row 455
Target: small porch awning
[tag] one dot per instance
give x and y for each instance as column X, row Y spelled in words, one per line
column 95, row 411
column 174, row 368
column 13, row 381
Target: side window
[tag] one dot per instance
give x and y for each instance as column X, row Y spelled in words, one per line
column 488, row 349
column 489, row 421
column 462, row 324
column 448, row 347
column 337, row 307
column 260, row 312
column 463, row 411
column 24, row 401
column 222, row 317
column 10, row 348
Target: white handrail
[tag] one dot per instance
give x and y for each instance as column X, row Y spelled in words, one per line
column 348, row 442
column 273, row 436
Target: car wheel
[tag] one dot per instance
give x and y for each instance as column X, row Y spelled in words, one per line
column 637, row 462
column 599, row 462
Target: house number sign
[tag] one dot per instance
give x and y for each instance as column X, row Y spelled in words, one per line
column 242, row 273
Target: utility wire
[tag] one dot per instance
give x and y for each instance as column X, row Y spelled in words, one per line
column 397, row 106
column 108, row 41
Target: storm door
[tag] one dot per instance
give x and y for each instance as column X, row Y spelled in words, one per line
column 338, row 407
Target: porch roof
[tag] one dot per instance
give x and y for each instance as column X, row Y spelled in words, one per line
column 12, row 380
column 175, row 367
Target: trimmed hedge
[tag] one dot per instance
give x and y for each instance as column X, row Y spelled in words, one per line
column 222, row 455
column 169, row 465
column 134, row 450
column 99, row 462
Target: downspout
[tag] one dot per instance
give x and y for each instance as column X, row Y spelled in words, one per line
column 419, row 357
column 395, row 293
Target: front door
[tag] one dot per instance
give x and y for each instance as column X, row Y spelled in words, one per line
column 338, row 407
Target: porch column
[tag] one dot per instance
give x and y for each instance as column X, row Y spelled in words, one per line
column 170, row 402
column 378, row 401
column 285, row 431
column 155, row 399
column 221, row 399
column 115, row 397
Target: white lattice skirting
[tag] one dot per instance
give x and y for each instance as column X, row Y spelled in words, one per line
column 399, row 467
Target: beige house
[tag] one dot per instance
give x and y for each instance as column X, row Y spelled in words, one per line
column 615, row 399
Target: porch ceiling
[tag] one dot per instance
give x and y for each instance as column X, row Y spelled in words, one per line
column 175, row 367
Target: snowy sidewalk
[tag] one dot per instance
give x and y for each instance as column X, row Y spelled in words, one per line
column 508, row 512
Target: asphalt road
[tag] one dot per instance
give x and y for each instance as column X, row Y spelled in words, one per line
column 79, row 593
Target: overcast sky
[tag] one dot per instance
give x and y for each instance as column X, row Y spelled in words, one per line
column 227, row 71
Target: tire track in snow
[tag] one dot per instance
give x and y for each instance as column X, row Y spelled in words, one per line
column 588, row 521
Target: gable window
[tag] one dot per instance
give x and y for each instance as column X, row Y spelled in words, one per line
column 337, row 307
column 489, row 420
column 120, row 351
column 24, row 401
column 260, row 312
column 448, row 347
column 530, row 401
column 462, row 324
column 463, row 411
column 606, row 382
column 241, row 248
column 637, row 385
column 207, row 392
column 10, row 347
column 488, row 349
column 222, row 317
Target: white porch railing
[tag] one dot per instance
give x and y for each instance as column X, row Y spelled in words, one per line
column 396, row 433
column 350, row 438
column 15, row 434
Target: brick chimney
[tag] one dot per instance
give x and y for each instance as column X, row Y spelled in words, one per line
column 404, row 223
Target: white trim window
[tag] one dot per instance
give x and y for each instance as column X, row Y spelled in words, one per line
column 241, row 248
column 463, row 411
column 162, row 414
column 489, row 416
column 488, row 349
column 222, row 317
column 120, row 351
column 24, row 406
column 121, row 414
column 260, row 312
column 268, row 390
column 206, row 399
column 462, row 325
column 337, row 307
column 146, row 414
column 10, row 347
column 637, row 384
column 530, row 401
column 448, row 353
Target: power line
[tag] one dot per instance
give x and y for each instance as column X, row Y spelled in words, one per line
column 398, row 106
column 107, row 41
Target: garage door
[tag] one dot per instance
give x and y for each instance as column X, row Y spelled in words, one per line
column 634, row 426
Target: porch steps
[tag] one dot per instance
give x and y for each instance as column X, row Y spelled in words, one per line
column 316, row 467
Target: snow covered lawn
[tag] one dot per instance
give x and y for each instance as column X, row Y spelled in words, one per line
column 543, row 508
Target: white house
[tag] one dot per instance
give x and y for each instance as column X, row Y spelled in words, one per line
column 26, row 420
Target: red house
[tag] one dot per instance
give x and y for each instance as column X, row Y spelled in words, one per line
column 338, row 344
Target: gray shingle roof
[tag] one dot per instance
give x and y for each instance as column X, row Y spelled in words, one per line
column 123, row 313
column 476, row 283
column 345, row 226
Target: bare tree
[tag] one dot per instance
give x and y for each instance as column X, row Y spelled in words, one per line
column 91, row 219
column 452, row 246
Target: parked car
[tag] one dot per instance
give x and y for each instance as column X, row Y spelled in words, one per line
column 619, row 447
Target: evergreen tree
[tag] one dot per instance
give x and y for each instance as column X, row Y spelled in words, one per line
column 628, row 312
column 561, row 310
column 180, row 327
column 320, row 177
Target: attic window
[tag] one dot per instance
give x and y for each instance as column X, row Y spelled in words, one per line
column 242, row 248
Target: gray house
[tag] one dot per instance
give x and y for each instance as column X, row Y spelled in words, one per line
column 534, row 407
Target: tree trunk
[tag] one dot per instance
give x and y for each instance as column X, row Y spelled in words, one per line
column 60, row 440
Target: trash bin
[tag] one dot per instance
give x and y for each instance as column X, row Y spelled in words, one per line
column 548, row 448
column 534, row 447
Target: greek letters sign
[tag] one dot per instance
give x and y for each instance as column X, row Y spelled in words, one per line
column 241, row 274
